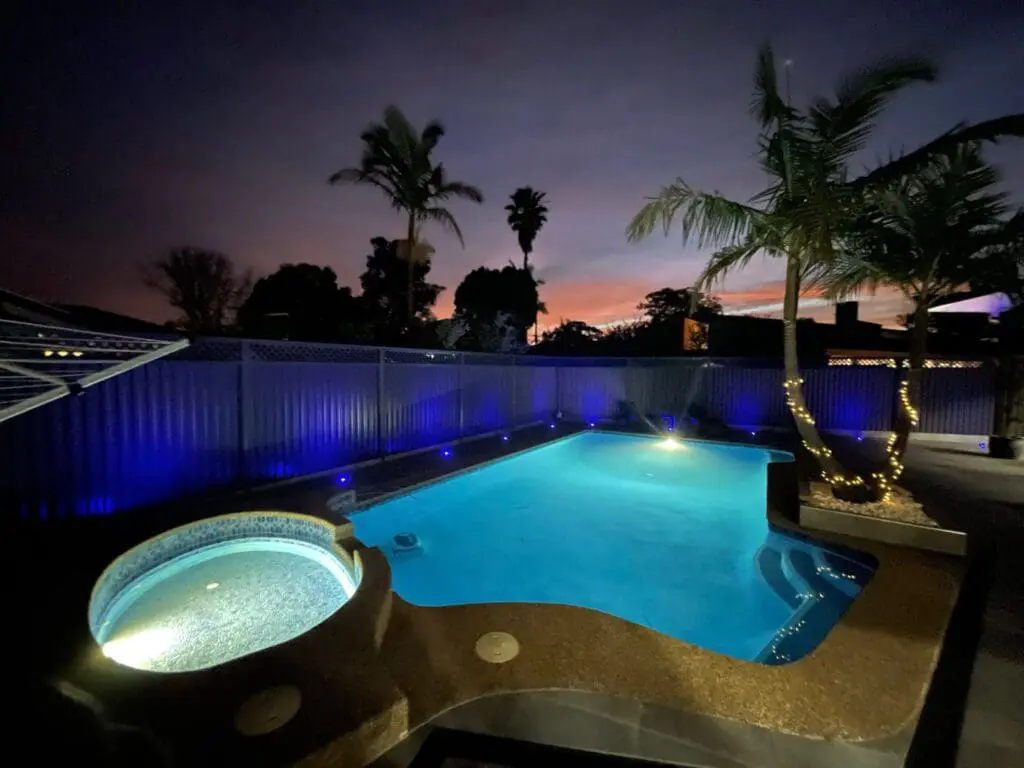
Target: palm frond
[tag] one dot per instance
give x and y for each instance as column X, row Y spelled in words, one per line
column 989, row 131
column 710, row 219
column 443, row 217
column 843, row 125
column 460, row 190
column 431, row 134
column 843, row 277
column 767, row 105
column 724, row 261
column 346, row 175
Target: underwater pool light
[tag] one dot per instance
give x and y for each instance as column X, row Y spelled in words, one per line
column 670, row 444
column 141, row 647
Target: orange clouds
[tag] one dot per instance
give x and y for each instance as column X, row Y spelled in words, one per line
column 594, row 301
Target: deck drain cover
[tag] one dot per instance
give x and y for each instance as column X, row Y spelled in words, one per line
column 268, row 710
column 497, row 647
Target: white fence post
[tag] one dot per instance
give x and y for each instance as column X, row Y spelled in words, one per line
column 381, row 359
column 461, row 386
column 512, row 417
column 243, row 410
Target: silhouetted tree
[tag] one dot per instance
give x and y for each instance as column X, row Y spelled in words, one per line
column 672, row 303
column 299, row 302
column 386, row 285
column 526, row 215
column 571, row 337
column 486, row 296
column 397, row 160
column 203, row 285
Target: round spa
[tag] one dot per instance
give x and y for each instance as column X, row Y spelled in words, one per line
column 203, row 594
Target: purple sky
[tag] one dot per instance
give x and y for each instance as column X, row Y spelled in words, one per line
column 142, row 126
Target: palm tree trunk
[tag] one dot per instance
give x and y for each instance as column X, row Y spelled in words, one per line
column 906, row 415
column 410, row 302
column 830, row 468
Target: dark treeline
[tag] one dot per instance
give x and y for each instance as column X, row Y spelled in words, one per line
column 494, row 308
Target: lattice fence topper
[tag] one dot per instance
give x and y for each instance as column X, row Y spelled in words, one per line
column 308, row 352
column 42, row 363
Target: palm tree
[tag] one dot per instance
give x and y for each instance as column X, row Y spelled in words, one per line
column 397, row 160
column 927, row 235
column 526, row 215
column 799, row 214
column 808, row 205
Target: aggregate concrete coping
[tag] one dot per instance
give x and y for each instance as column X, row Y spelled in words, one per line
column 381, row 667
column 866, row 681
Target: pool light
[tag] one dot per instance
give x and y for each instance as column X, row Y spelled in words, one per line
column 343, row 479
column 446, row 453
column 551, row 425
column 592, row 425
column 138, row 649
column 213, row 585
column 504, row 438
column 670, row 444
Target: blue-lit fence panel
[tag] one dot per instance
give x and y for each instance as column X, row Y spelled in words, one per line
column 746, row 397
column 231, row 413
column 161, row 431
column 487, row 392
column 589, row 393
column 851, row 398
column 957, row 401
column 302, row 418
column 535, row 392
column 420, row 406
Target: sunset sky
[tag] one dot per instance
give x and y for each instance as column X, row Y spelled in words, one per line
column 129, row 128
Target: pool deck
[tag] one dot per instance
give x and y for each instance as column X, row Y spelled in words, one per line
column 380, row 668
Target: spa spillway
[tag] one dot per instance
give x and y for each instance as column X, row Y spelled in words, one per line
column 206, row 593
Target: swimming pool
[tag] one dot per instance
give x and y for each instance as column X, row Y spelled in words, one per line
column 671, row 535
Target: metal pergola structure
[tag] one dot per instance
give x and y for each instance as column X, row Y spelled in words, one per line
column 42, row 363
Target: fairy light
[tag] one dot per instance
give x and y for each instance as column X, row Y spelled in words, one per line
column 884, row 481
column 888, row 362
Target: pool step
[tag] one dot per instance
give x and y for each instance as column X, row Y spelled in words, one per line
column 769, row 563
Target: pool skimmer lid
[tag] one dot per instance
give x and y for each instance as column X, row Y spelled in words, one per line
column 497, row 647
column 268, row 710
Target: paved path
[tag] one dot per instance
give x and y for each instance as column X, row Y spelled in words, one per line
column 985, row 497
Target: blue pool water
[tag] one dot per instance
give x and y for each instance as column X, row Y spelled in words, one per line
column 670, row 536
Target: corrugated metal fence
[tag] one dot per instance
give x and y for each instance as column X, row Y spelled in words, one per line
column 229, row 412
